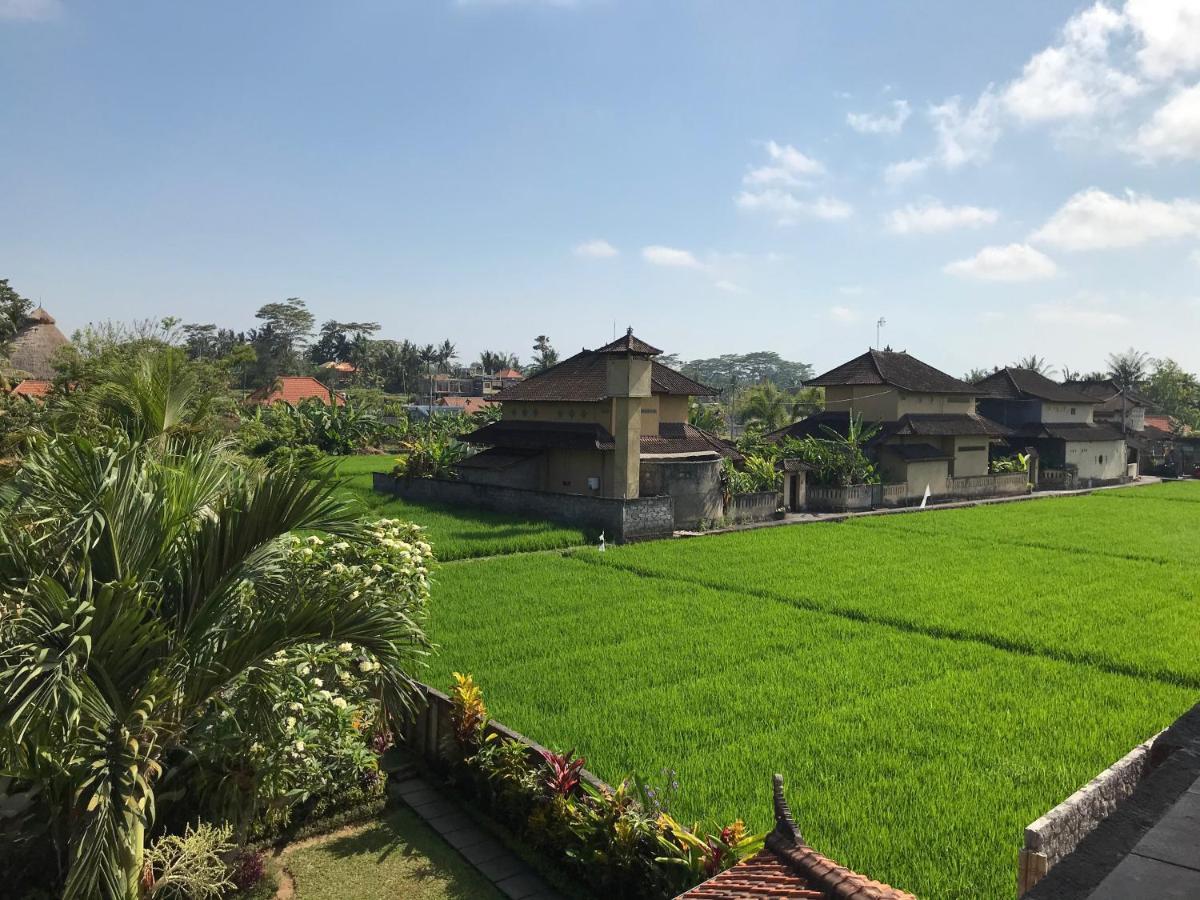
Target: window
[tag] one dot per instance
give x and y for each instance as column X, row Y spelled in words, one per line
column 1100, row 459
column 1072, row 410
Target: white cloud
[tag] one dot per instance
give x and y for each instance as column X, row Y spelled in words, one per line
column 844, row 314
column 729, row 287
column 1014, row 262
column 597, row 248
column 966, row 136
column 882, row 123
column 1095, row 220
column 931, row 216
column 1173, row 132
column 670, row 256
column 30, row 10
column 898, row 173
column 1169, row 31
column 1073, row 79
column 788, row 167
column 789, row 209
column 1087, row 314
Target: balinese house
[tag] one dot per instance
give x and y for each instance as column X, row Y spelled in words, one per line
column 293, row 390
column 787, row 867
column 1148, row 444
column 927, row 433
column 1056, row 421
column 33, row 388
column 608, row 423
column 31, row 351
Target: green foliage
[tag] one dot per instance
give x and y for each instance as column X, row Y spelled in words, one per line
column 546, row 356
column 139, row 583
column 745, row 368
column 1018, row 463
column 618, row 842
column 834, row 459
column 429, row 453
column 707, row 416
column 278, row 430
column 1128, row 368
column 1174, row 391
column 13, row 310
column 916, row 639
column 190, row 866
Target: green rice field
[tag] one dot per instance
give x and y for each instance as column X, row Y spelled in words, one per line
column 455, row 532
column 928, row 683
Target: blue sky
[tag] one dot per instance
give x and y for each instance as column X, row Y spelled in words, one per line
column 994, row 179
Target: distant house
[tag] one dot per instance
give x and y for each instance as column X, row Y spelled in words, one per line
column 31, row 351
column 928, row 429
column 34, row 388
column 293, row 389
column 1123, row 408
column 468, row 405
column 1058, row 421
column 609, row 423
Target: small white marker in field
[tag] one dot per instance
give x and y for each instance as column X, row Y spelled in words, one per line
column 925, row 499
column 602, row 542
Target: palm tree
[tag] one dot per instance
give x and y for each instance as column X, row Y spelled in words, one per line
column 139, row 581
column 1129, row 368
column 767, row 406
column 1038, row 364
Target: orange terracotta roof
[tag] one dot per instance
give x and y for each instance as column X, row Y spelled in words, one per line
column 33, row 387
column 293, row 389
column 788, row 868
column 345, row 367
column 509, row 373
column 470, row 405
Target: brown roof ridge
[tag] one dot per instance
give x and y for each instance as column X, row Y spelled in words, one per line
column 628, row 343
column 835, row 880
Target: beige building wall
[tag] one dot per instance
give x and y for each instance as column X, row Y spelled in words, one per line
column 874, row 402
column 651, row 412
column 1066, row 412
column 970, row 456
column 568, row 471
column 672, row 408
column 934, row 403
column 1103, row 460
column 599, row 413
column 931, row 472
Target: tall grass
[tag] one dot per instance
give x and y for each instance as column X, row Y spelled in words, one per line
column 929, row 684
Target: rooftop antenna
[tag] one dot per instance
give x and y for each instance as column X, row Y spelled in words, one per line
column 880, row 322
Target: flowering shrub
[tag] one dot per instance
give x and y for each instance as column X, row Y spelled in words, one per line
column 305, row 723
column 619, row 841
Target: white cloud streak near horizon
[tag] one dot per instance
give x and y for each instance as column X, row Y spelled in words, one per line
column 1013, row 262
column 598, row 248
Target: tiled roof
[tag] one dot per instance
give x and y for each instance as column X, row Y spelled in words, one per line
column 33, row 387
column 816, row 425
column 495, row 458
column 293, row 389
column 1068, row 431
column 680, row 438
column 584, row 378
column 891, row 368
column 788, row 868
column 919, row 452
column 469, row 405
column 346, row 368
column 542, row 435
column 1019, row 384
column 1107, row 393
column 946, row 425
column 627, row 343
column 509, row 373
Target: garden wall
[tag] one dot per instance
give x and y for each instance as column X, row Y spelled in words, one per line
column 1059, row 831
column 853, row 498
column 620, row 520
column 431, row 729
column 1007, row 484
column 694, row 485
column 756, row 507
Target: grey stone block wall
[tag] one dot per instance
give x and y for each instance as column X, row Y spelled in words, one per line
column 620, row 520
column 756, row 507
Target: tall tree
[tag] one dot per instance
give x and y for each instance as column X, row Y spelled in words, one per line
column 336, row 340
column 1038, row 364
column 491, row 361
column 13, row 310
column 766, row 406
column 281, row 338
column 1129, row 367
column 546, row 356
column 1175, row 391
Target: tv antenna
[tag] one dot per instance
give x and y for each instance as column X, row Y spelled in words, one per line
column 880, row 322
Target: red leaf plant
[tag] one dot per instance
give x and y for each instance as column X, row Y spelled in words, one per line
column 563, row 776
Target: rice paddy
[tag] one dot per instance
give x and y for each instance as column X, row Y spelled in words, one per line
column 927, row 683
column 457, row 533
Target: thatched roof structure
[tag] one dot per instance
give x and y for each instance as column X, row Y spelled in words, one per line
column 31, row 351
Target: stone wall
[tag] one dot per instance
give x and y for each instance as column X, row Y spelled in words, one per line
column 1007, row 484
column 1059, row 831
column 826, row 498
column 694, row 485
column 756, row 507
column 620, row 520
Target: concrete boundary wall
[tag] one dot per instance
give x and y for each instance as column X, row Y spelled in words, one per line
column 754, row 507
column 1060, row 830
column 620, row 520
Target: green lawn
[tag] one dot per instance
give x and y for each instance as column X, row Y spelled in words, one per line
column 454, row 532
column 928, row 684
column 398, row 856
